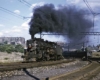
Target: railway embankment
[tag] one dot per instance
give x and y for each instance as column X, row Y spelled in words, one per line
column 43, row 72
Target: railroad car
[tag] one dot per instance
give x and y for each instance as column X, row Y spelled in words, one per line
column 86, row 54
column 39, row 50
column 94, row 55
column 75, row 54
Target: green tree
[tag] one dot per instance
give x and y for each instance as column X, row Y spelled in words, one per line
column 9, row 48
column 19, row 48
column 2, row 48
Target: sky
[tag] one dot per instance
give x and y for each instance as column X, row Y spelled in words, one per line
column 16, row 14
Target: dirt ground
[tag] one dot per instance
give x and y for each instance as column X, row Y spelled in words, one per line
column 11, row 57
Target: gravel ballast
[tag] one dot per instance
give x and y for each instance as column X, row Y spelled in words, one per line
column 97, row 77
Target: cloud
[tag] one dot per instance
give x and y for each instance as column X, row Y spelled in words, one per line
column 1, row 34
column 11, row 1
column 12, row 31
column 25, row 25
column 30, row 14
column 73, row 1
column 1, row 25
column 92, row 3
column 35, row 5
column 95, row 6
column 17, row 31
column 17, row 11
column 51, row 37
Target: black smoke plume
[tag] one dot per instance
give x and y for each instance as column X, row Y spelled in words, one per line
column 62, row 19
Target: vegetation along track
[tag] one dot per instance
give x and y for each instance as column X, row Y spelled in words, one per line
column 85, row 73
column 20, row 65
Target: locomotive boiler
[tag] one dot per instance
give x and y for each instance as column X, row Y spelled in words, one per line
column 40, row 50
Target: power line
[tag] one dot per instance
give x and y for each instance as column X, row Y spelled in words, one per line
column 26, row 17
column 56, row 34
column 90, row 33
column 25, row 2
column 28, row 4
column 8, row 20
column 93, row 13
column 10, row 12
column 89, row 7
column 86, row 2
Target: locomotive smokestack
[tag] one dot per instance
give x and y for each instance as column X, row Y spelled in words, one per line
column 32, row 36
column 40, row 29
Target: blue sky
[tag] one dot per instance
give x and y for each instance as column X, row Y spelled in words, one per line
column 11, row 25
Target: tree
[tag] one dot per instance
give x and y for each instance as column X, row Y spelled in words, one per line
column 9, row 48
column 2, row 48
column 19, row 48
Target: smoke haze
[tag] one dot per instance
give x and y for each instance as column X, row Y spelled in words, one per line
column 62, row 19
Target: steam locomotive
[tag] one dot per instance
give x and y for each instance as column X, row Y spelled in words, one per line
column 39, row 50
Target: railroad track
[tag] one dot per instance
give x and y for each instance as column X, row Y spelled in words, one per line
column 85, row 73
column 20, row 65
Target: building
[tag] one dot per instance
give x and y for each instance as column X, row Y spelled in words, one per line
column 13, row 40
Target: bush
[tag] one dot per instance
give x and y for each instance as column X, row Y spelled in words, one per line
column 6, row 58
